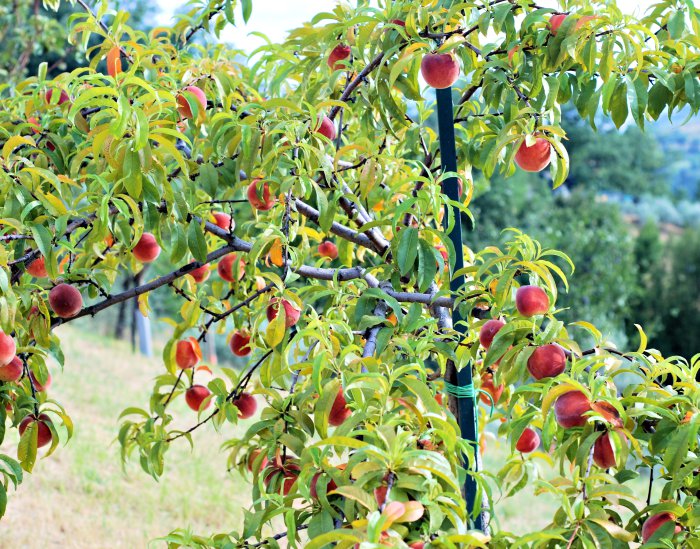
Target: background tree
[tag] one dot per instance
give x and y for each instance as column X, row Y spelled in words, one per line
column 335, row 274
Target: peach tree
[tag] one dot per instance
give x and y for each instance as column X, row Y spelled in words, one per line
column 301, row 201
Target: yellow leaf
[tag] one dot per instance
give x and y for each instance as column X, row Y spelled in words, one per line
column 143, row 304
column 275, row 329
column 14, row 142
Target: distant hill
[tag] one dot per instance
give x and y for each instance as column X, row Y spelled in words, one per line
column 681, row 143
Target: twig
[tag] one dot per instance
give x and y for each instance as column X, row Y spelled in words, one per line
column 231, row 396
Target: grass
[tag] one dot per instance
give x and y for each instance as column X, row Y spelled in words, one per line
column 81, row 498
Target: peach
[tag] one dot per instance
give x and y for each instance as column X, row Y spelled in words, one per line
column 380, row 494
column 528, row 442
column 570, row 407
column 195, row 395
column 327, row 128
column 240, row 343
column 246, row 405
column 290, row 472
column 200, row 274
column 37, row 268
column 8, row 348
column 339, row 411
column 114, row 61
column 12, row 371
column 439, row 70
column 337, row 57
column 488, row 386
column 314, row 483
column 224, row 221
column 555, row 22
column 259, row 195
column 399, row 22
column 38, row 386
column 654, row 522
column 546, row 361
column 328, row 249
column 251, row 460
column 44, row 435
column 183, row 107
column 417, row 545
column 291, row 312
column 488, row 332
column 531, row 301
column 62, row 98
column 146, row 249
column 225, row 267
column 187, row 353
column 535, row 158
column 65, row 300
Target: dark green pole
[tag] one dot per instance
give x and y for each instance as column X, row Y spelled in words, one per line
column 466, row 407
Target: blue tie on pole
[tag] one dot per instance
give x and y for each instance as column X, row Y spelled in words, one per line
column 466, row 405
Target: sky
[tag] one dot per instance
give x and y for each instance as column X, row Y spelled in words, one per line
column 275, row 17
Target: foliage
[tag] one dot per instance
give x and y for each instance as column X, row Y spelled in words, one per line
column 89, row 175
column 33, row 33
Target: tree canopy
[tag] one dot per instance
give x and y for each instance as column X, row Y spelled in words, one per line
column 310, row 180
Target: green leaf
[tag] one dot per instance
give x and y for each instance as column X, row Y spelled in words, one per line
column 618, row 104
column 408, row 249
column 196, row 242
column 43, row 238
column 27, row 448
column 274, row 334
column 247, row 7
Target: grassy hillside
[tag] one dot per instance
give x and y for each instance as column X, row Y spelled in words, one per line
column 80, row 498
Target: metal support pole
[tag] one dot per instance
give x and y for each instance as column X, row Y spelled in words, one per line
column 466, row 407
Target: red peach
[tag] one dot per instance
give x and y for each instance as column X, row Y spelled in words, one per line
column 654, row 522
column 292, row 314
column 328, row 249
column 62, row 98
column 569, row 409
column 12, row 371
column 195, row 395
column 224, row 221
column 44, row 436
column 146, row 249
column 528, row 442
column 225, row 267
column 65, row 300
column 555, row 22
column 488, row 332
column 240, row 343
column 183, row 107
column 546, row 361
column 259, row 195
column 200, row 274
column 38, row 386
column 314, row 483
column 488, row 386
column 8, row 348
column 37, row 268
column 339, row 411
column 531, row 301
column 187, row 353
column 246, row 405
column 439, row 70
column 337, row 57
column 535, row 158
column 251, row 460
column 327, row 128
